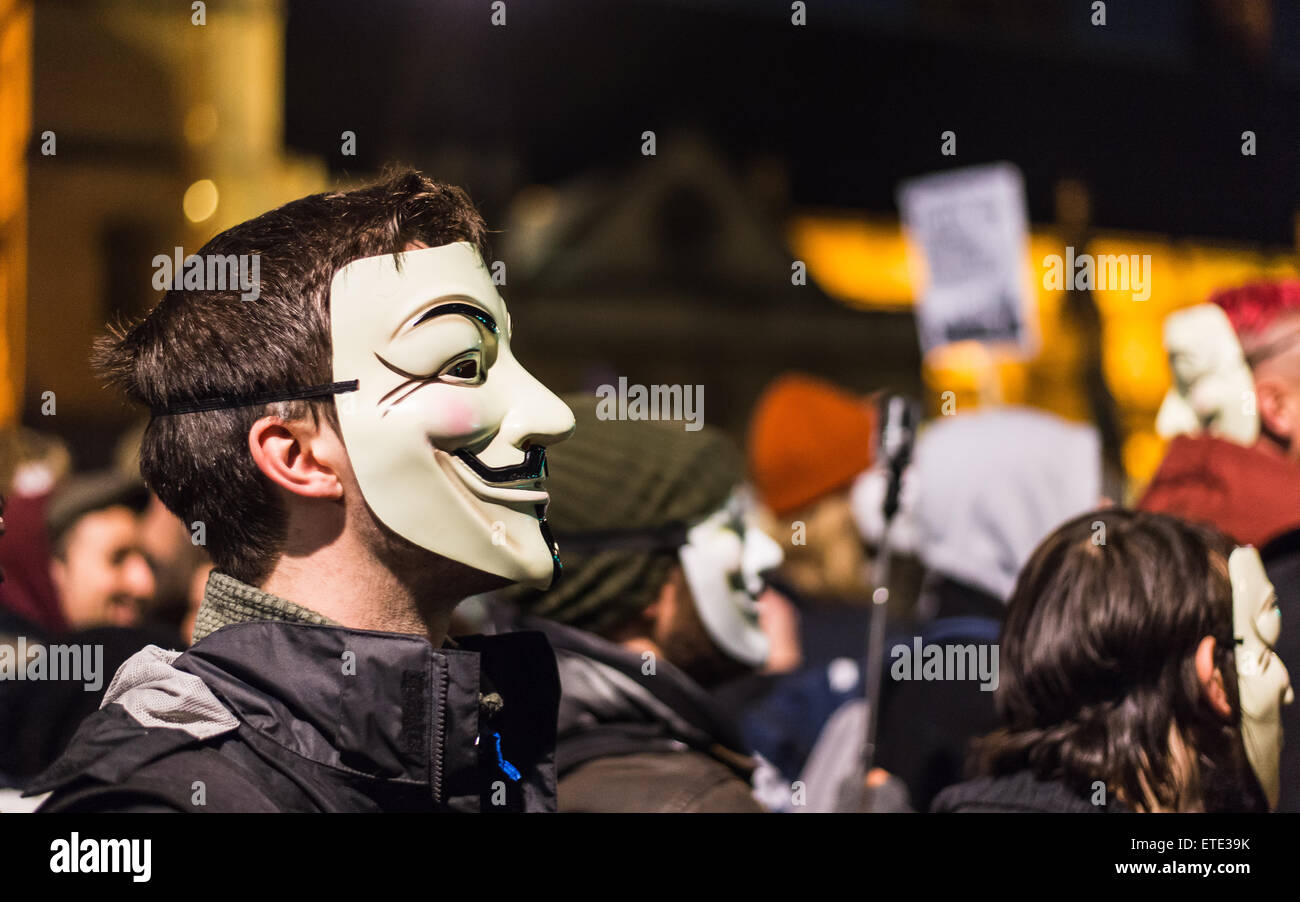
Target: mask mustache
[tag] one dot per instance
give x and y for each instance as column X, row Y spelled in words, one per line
column 532, row 467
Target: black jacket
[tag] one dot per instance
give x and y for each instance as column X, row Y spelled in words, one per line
column 272, row 716
column 1017, row 793
column 926, row 726
column 631, row 741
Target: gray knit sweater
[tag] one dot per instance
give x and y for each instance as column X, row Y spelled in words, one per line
column 227, row 601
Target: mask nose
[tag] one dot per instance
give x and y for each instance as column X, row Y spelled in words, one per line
column 1176, row 416
column 537, row 416
column 761, row 554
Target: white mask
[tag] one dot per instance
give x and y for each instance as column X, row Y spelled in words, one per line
column 1213, row 386
column 867, row 500
column 724, row 560
column 437, row 427
column 1262, row 680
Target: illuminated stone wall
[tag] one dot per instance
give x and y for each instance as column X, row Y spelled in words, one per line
column 863, row 263
column 15, row 126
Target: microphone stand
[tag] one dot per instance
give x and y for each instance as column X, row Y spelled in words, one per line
column 896, row 441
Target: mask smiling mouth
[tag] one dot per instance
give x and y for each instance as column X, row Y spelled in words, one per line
column 486, row 484
column 516, row 484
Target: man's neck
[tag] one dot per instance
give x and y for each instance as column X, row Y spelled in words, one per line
column 1274, row 446
column 359, row 594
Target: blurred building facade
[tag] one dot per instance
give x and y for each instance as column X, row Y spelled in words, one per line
column 161, row 130
column 15, row 126
column 147, row 130
column 669, row 271
column 861, row 260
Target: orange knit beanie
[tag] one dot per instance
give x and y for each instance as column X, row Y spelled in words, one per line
column 807, row 438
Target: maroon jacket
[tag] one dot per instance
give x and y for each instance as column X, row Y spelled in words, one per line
column 1250, row 494
column 27, row 590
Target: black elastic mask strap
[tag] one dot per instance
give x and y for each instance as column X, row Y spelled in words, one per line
column 227, row 402
column 648, row 540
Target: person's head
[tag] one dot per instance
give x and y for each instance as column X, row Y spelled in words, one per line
column 1266, row 318
column 431, row 458
column 1212, row 385
column 176, row 553
column 983, row 489
column 659, row 552
column 98, row 566
column 808, row 440
column 1118, row 667
column 32, row 463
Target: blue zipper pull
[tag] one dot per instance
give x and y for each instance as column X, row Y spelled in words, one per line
column 506, row 767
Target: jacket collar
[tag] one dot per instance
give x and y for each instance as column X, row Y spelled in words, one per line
column 388, row 707
column 604, row 684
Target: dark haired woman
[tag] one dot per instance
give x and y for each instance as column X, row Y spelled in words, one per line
column 1127, row 683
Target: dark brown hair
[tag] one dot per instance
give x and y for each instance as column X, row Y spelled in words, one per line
column 200, row 343
column 1098, row 676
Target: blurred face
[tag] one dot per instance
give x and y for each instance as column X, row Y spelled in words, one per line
column 724, row 560
column 104, row 577
column 166, row 542
column 1211, row 382
column 831, row 560
column 446, row 432
column 1277, row 387
column 1274, row 358
column 1262, row 678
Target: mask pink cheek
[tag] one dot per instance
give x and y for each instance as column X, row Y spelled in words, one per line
column 454, row 418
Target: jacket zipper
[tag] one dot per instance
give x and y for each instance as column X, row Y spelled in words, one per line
column 439, row 713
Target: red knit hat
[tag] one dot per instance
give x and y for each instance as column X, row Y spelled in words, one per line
column 1253, row 308
column 808, row 437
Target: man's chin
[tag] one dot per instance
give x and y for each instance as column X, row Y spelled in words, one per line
column 540, row 581
column 536, row 569
column 530, row 565
column 479, row 581
column 473, row 581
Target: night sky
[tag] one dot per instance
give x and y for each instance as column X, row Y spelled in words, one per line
column 1147, row 110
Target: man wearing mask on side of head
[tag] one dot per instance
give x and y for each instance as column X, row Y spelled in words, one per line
column 1262, row 679
column 660, row 604
column 1233, row 414
column 343, row 531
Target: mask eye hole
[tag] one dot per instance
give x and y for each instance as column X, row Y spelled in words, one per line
column 464, row 370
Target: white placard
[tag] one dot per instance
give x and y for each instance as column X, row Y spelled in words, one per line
column 968, row 238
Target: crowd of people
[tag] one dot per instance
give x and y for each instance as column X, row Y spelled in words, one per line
column 360, row 559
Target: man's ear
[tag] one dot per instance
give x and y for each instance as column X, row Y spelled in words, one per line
column 1211, row 678
column 661, row 609
column 291, row 454
column 1277, row 413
